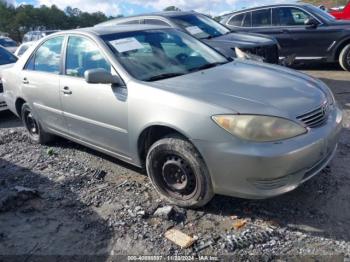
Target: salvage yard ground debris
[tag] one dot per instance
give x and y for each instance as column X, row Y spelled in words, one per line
column 65, row 199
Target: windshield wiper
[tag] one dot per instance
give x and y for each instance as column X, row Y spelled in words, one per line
column 207, row 66
column 164, row 76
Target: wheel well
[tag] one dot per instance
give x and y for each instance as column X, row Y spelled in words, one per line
column 150, row 135
column 19, row 104
column 340, row 48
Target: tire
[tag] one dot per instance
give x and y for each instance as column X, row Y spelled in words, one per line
column 344, row 58
column 35, row 132
column 178, row 172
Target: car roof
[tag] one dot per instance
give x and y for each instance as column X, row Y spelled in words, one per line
column 169, row 13
column 108, row 30
column 163, row 14
column 267, row 6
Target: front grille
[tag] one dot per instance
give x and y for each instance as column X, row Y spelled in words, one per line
column 1, row 88
column 3, row 104
column 269, row 53
column 315, row 118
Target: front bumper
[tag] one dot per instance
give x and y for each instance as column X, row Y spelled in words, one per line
column 263, row 170
column 269, row 53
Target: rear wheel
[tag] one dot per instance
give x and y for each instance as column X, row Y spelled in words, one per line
column 344, row 58
column 178, row 172
column 35, row 132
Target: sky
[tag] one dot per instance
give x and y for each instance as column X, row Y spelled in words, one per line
column 131, row 7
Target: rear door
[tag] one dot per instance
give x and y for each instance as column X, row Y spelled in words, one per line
column 41, row 81
column 96, row 114
column 262, row 23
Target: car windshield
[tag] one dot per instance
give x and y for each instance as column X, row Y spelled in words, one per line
column 151, row 55
column 201, row 26
column 323, row 14
column 7, row 42
column 6, row 57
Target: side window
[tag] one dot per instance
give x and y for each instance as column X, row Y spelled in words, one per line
column 288, row 16
column 237, row 20
column 247, row 22
column 155, row 22
column 261, row 18
column 47, row 57
column 82, row 55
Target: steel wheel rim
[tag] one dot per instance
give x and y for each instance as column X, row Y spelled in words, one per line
column 175, row 177
column 31, row 124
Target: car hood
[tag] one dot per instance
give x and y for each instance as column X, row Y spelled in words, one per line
column 251, row 88
column 241, row 40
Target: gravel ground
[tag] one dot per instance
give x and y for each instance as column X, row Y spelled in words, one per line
column 64, row 199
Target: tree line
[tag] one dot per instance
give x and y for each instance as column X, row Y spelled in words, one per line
column 16, row 21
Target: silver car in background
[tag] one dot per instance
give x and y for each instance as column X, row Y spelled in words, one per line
column 7, row 59
column 156, row 97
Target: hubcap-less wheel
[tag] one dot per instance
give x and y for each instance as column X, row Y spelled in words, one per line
column 175, row 177
column 31, row 124
column 178, row 172
column 35, row 132
column 178, row 178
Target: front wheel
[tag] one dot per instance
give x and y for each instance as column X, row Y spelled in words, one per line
column 344, row 58
column 178, row 172
column 35, row 132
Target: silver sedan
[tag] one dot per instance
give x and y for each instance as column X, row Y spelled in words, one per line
column 156, row 97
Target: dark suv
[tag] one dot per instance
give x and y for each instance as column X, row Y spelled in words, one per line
column 251, row 46
column 302, row 30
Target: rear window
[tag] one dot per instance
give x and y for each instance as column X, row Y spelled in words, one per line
column 6, row 57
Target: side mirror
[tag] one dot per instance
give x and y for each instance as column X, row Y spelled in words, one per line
column 311, row 22
column 101, row 76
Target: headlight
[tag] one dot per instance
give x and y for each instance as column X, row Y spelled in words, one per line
column 259, row 128
column 248, row 56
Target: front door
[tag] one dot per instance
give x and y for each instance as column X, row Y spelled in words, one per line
column 305, row 41
column 95, row 113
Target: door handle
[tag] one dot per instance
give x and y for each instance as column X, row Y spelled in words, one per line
column 25, row 81
column 66, row 91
